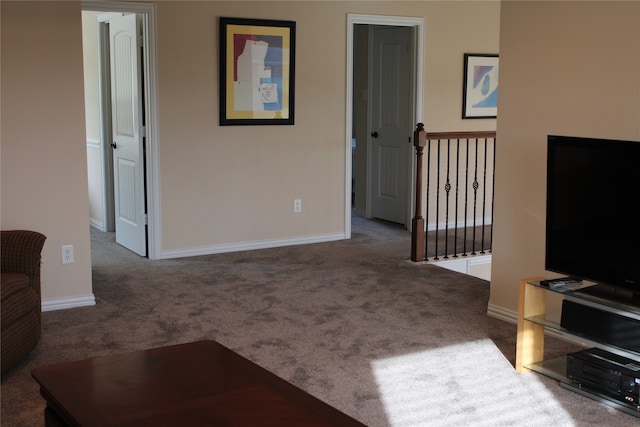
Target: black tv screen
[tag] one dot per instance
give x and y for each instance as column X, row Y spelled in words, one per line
column 592, row 218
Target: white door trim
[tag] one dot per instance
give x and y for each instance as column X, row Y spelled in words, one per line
column 150, row 64
column 418, row 24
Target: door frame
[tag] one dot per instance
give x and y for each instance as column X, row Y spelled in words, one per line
column 150, row 84
column 418, row 62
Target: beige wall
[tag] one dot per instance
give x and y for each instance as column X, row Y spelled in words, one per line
column 218, row 185
column 568, row 68
column 44, row 163
column 246, row 177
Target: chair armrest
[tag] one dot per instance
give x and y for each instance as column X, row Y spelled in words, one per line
column 20, row 252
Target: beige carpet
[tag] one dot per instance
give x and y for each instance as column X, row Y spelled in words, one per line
column 387, row 341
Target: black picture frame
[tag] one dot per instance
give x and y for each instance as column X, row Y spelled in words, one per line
column 480, row 86
column 250, row 96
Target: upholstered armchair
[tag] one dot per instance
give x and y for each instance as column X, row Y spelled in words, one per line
column 20, row 296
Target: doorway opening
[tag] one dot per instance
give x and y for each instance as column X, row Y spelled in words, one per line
column 384, row 102
column 126, row 195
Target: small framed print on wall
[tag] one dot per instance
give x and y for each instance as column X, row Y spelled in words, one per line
column 257, row 71
column 480, row 86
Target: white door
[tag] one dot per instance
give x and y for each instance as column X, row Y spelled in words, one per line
column 391, row 126
column 128, row 134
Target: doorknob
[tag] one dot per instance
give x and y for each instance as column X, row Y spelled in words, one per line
column 374, row 134
column 114, row 145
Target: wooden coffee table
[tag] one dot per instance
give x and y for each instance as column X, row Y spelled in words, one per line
column 196, row 384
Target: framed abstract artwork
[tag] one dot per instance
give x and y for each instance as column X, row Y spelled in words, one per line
column 257, row 71
column 480, row 86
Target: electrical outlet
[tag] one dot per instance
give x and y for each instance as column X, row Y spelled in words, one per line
column 67, row 254
column 297, row 205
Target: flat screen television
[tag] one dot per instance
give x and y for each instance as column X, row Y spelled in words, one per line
column 592, row 218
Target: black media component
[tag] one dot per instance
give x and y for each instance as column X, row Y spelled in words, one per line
column 601, row 325
column 612, row 375
column 591, row 219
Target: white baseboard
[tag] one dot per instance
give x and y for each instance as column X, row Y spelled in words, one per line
column 64, row 303
column 468, row 265
column 502, row 314
column 98, row 225
column 249, row 246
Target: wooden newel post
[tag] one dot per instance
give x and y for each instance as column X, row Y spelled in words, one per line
column 417, row 230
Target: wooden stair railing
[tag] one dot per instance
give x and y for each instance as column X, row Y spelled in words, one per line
column 419, row 233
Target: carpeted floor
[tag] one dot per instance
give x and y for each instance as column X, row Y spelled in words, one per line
column 353, row 322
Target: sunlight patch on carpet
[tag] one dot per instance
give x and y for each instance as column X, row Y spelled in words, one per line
column 466, row 384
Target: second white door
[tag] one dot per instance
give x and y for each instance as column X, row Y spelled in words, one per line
column 391, row 125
